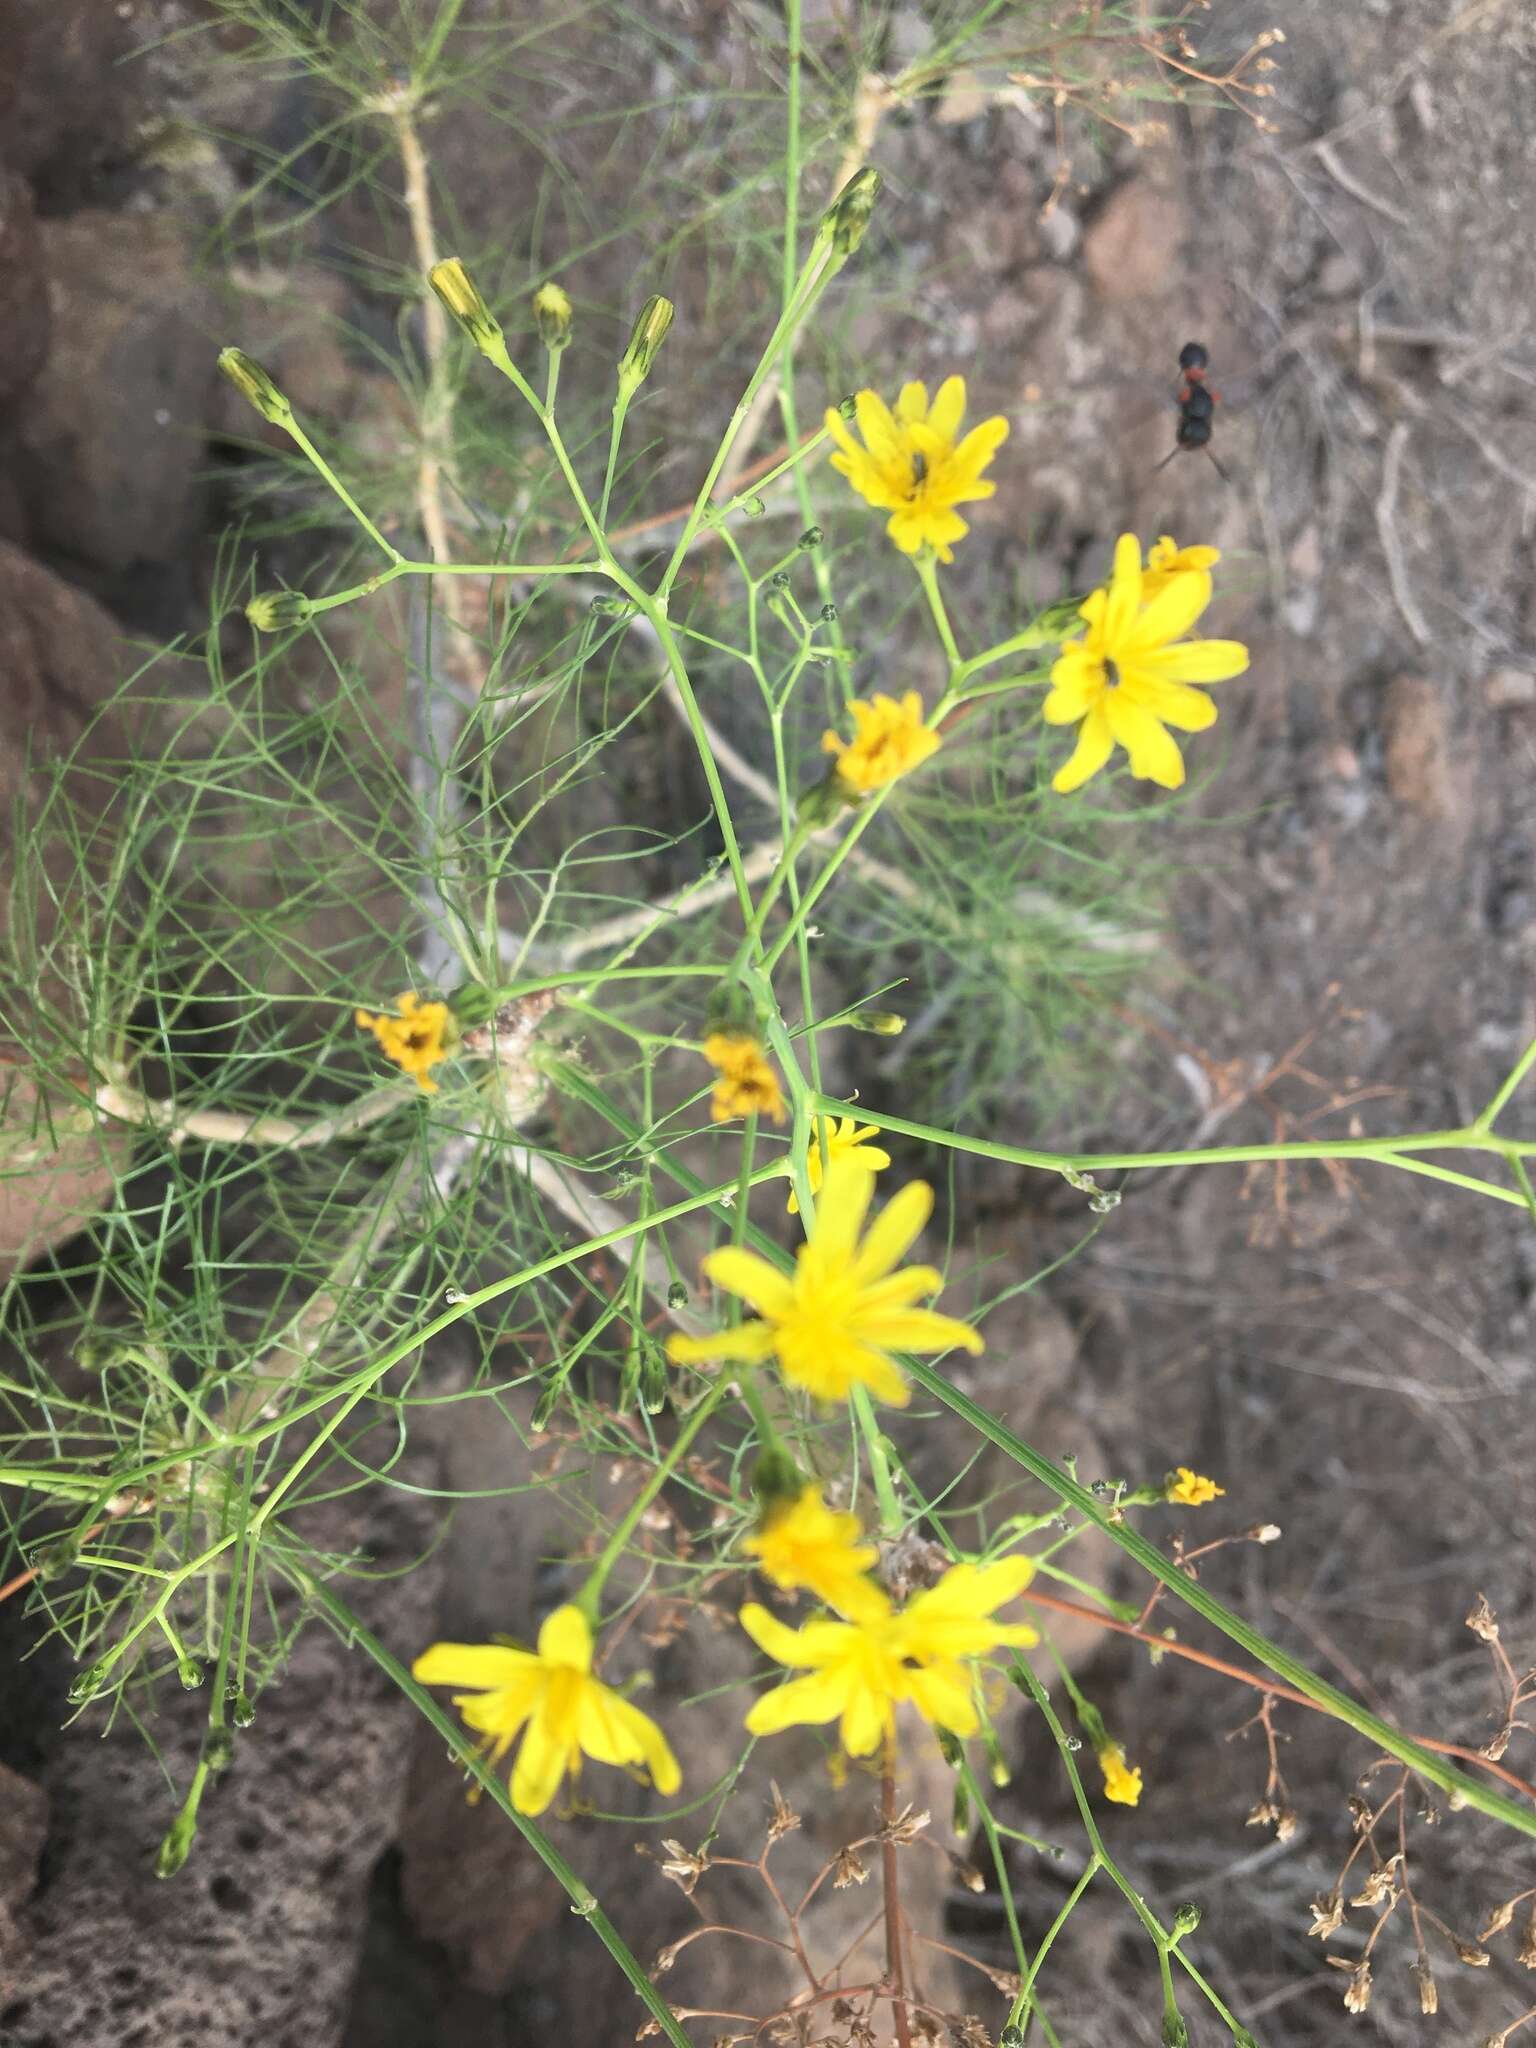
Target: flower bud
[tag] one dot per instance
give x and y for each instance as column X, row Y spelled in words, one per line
column 646, row 337
column 1185, row 1920
column 461, row 297
column 242, row 1712
column 730, row 1009
column 255, row 386
column 883, row 1023
column 823, row 801
column 552, row 311
column 776, row 1479
column 653, row 1376
column 274, row 610
column 218, row 1749
column 177, row 1846
column 811, row 538
column 545, row 1407
column 677, row 1295
column 847, row 217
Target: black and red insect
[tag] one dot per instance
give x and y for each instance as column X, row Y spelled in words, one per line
column 1197, row 407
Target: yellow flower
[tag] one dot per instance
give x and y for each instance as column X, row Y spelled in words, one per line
column 746, row 1082
column 834, row 1322
column 1127, row 681
column 845, row 1140
column 1122, row 1782
column 912, row 466
column 568, row 1712
column 417, row 1039
column 803, row 1545
column 890, row 739
column 859, row 1671
column 1191, row 1489
column 1166, row 559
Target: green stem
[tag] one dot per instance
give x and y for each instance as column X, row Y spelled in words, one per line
column 1395, row 1151
column 1455, row 1784
column 927, row 568
column 1511, row 1082
column 318, row 462
column 591, row 1592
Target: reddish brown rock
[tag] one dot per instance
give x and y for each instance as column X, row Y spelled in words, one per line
column 1134, row 245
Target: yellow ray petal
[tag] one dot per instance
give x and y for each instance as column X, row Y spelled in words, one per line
column 948, row 408
column 1171, row 613
column 749, row 1342
column 566, row 1638
column 541, row 1763
column 1095, row 744
column 899, row 1224
column 1197, row 661
column 817, row 1697
column 486, row 1666
column 1154, row 753
column 1123, row 599
column 744, row 1273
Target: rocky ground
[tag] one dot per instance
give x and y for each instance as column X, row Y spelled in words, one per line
column 1355, row 906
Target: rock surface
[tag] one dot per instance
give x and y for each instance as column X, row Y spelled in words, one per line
column 110, row 446
column 24, row 313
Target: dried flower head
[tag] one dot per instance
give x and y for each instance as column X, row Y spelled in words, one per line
column 847, row 1869
column 1482, row 1621
column 1357, row 1993
column 1327, row 1915
column 783, row 1820
column 1429, row 1991
column 683, row 1866
column 1475, row 1958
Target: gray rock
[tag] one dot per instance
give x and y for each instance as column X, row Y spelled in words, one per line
column 110, row 442
column 24, row 319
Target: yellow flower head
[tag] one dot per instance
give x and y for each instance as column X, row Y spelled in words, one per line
column 913, row 465
column 1122, row 1782
column 833, row 1323
column 1166, row 559
column 1127, row 681
column 890, row 739
column 746, row 1082
column 1191, row 1489
column 845, row 1140
column 417, row 1039
column 805, row 1546
column 568, row 1712
column 859, row 1671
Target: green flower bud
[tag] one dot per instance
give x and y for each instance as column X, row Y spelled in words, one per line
column 646, row 337
column 191, row 1673
column 254, row 385
column 824, row 801
column 730, row 1009
column 242, row 1712
column 552, row 311
column 653, row 1376
column 88, row 1683
column 544, row 1408
column 1185, row 1920
column 811, row 538
column 218, row 1748
column 845, row 220
column 461, row 297
column 177, row 1846
column 677, row 1295
column 776, row 1478
column 274, row 610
